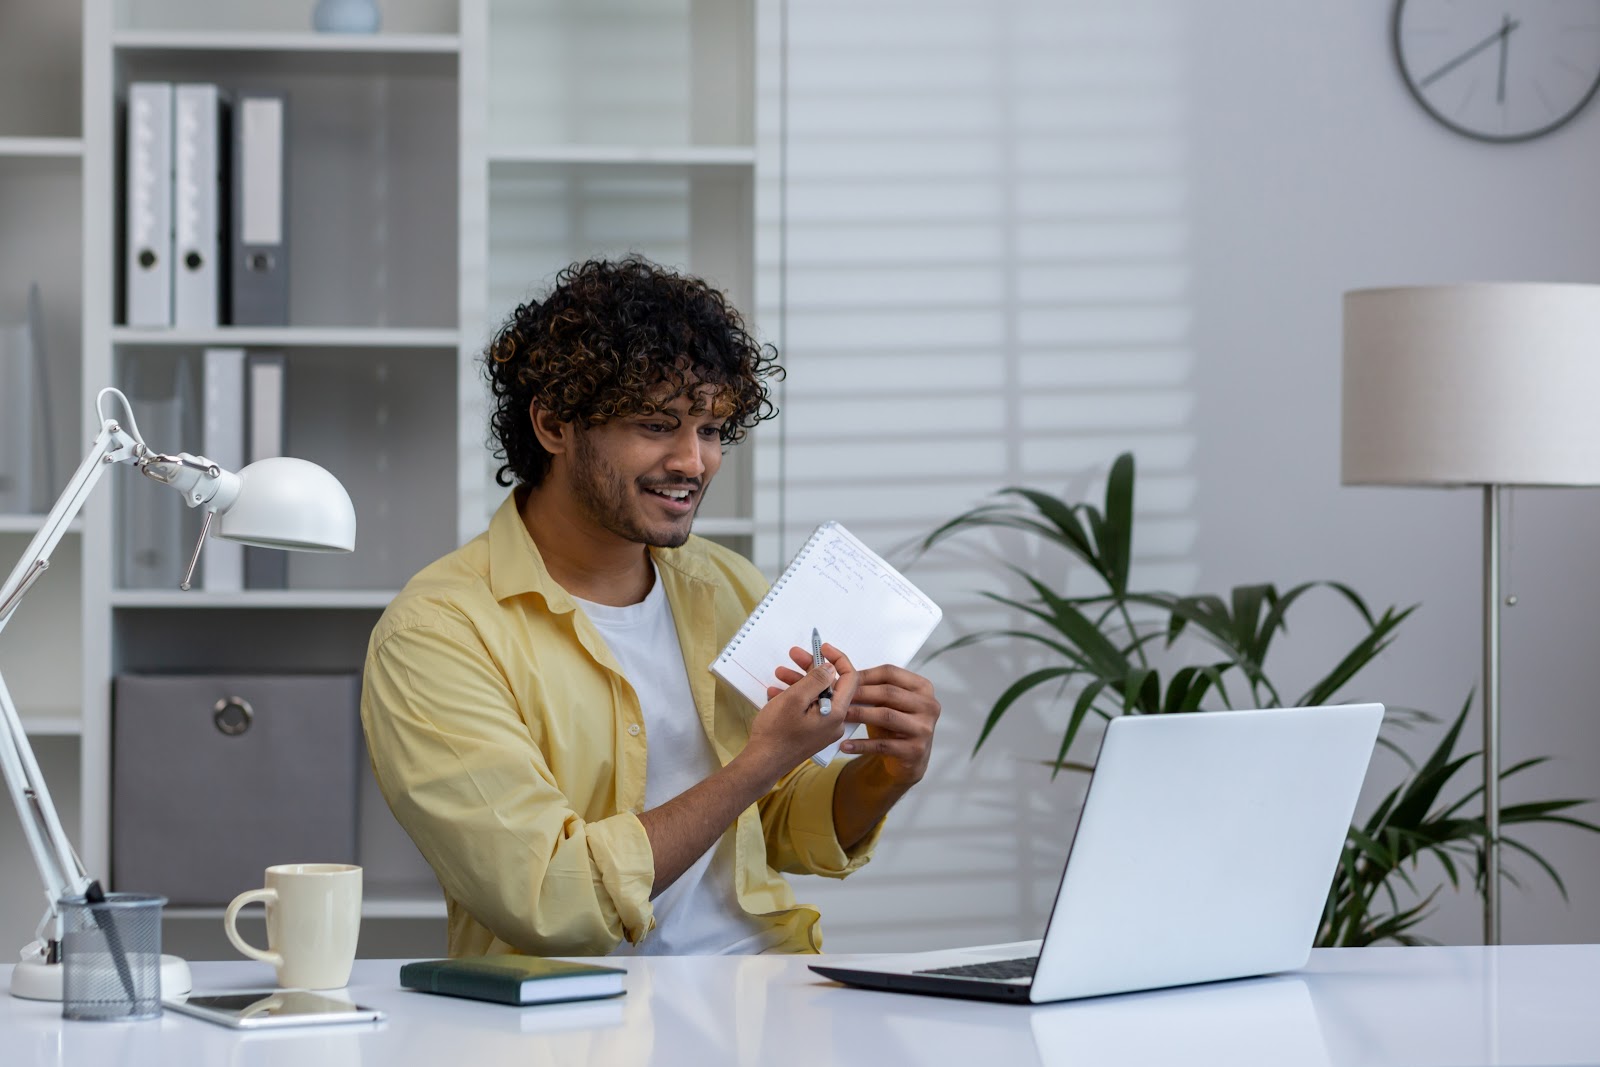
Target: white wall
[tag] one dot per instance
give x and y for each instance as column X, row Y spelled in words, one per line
column 1314, row 172
column 1016, row 238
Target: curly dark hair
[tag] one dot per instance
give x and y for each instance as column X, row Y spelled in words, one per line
column 601, row 344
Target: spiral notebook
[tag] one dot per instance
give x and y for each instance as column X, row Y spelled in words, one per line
column 856, row 601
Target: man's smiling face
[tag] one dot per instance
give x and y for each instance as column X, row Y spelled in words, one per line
column 642, row 477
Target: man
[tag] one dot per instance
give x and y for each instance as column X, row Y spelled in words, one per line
column 538, row 704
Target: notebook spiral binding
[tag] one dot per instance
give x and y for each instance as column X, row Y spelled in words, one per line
column 772, row 594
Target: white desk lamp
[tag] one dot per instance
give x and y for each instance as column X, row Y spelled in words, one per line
column 1487, row 385
column 272, row 503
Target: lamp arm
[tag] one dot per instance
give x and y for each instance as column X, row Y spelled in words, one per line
column 196, row 477
column 112, row 445
column 59, row 866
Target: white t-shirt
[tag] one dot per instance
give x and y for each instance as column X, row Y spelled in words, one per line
column 699, row 914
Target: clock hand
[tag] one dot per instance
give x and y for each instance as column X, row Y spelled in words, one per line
column 1505, row 35
column 1498, row 35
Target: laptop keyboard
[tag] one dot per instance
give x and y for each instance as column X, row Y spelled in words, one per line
column 995, row 970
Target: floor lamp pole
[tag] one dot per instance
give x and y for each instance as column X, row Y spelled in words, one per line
column 1491, row 714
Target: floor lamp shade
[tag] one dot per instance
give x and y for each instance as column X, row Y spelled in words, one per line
column 1480, row 384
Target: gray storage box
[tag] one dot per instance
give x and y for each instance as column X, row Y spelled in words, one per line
column 214, row 778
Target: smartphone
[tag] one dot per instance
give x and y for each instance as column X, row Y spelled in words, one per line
column 261, row 1009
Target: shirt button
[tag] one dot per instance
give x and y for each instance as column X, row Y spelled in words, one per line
column 633, row 731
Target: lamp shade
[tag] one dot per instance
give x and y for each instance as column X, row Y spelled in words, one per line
column 293, row 504
column 1478, row 384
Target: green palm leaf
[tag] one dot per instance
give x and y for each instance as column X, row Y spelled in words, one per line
column 1111, row 647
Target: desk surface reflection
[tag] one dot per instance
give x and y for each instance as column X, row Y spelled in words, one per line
column 1518, row 1004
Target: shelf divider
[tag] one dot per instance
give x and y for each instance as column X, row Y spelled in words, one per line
column 287, row 337
column 287, row 599
column 625, row 155
column 267, row 41
column 41, row 148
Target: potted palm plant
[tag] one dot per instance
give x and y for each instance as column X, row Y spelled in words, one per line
column 1125, row 651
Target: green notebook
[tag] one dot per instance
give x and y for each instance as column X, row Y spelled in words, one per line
column 513, row 979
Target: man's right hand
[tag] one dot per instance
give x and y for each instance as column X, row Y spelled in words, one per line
column 786, row 732
column 790, row 728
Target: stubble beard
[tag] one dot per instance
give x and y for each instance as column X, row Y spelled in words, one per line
column 610, row 500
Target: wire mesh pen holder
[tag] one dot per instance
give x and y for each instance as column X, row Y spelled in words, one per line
column 111, row 957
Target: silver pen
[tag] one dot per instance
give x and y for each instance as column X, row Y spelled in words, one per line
column 825, row 701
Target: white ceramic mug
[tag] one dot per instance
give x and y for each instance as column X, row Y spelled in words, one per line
column 313, row 919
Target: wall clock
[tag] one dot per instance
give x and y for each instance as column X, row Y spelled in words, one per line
column 1499, row 70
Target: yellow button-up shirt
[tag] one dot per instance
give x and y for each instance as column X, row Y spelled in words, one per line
column 512, row 749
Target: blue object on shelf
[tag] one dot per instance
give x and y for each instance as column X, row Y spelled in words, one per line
column 346, row 16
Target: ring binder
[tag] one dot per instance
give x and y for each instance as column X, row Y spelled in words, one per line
column 198, row 151
column 259, row 237
column 147, row 268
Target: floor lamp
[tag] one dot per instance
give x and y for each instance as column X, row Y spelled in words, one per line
column 1487, row 385
column 282, row 503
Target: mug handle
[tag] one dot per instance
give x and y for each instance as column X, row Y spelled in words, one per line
column 265, row 896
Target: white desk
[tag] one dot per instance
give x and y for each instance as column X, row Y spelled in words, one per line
column 1522, row 1005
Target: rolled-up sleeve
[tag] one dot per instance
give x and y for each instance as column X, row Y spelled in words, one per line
column 462, row 774
column 797, row 818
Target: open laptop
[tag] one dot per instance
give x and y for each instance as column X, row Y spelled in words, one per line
column 1204, row 851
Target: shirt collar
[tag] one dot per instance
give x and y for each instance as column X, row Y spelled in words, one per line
column 516, row 567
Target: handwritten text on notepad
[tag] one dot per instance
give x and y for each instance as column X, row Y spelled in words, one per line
column 845, row 565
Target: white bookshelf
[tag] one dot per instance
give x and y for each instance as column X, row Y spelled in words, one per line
column 52, row 722
column 439, row 173
column 279, row 599
column 402, row 903
column 26, row 148
column 606, row 129
column 287, row 337
column 30, row 524
column 291, row 19
column 725, row 528
column 226, row 41
column 625, row 155
column 295, row 55
column 377, row 902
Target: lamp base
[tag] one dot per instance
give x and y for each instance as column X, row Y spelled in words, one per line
column 36, row 980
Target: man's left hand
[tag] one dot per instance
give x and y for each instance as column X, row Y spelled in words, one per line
column 898, row 707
